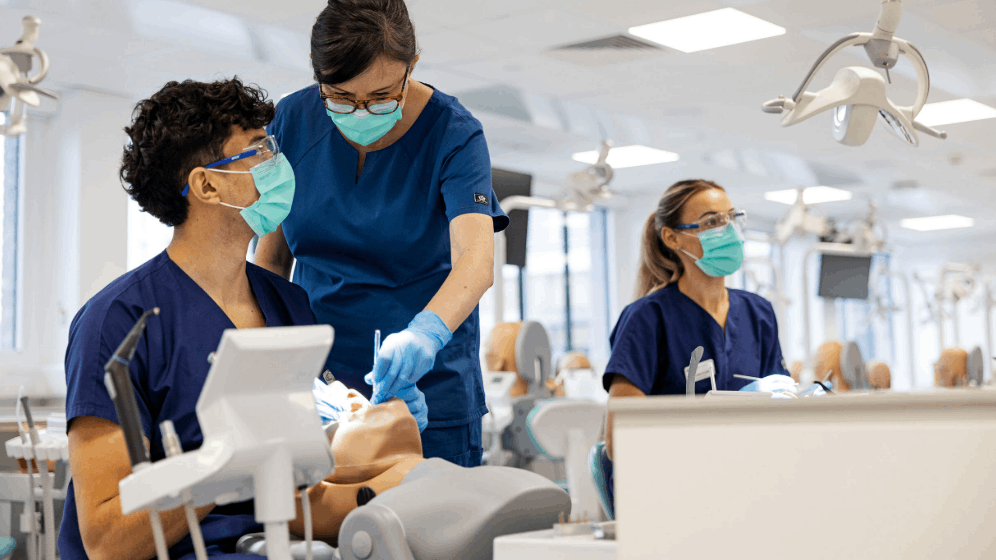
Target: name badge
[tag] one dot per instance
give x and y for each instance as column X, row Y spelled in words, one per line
column 706, row 370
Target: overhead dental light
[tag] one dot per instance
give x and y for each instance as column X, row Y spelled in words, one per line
column 17, row 89
column 857, row 96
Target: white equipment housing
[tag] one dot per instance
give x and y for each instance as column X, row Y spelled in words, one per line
column 248, row 454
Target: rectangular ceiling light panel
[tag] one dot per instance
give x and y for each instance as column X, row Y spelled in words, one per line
column 935, row 223
column 812, row 195
column 629, row 156
column 953, row 112
column 708, row 30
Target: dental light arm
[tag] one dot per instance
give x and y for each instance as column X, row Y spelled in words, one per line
column 853, row 88
column 17, row 88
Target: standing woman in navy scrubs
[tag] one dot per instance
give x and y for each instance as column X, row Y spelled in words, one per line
column 692, row 241
column 393, row 221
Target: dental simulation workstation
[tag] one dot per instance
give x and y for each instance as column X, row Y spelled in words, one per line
column 476, row 280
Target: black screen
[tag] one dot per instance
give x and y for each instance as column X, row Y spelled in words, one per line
column 506, row 184
column 844, row 276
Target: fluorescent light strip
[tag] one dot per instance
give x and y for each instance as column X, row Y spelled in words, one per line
column 629, row 156
column 708, row 30
column 812, row 195
column 954, row 112
column 935, row 223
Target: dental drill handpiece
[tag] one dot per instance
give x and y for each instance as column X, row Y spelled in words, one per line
column 117, row 378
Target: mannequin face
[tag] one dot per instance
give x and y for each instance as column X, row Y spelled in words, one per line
column 703, row 204
column 951, row 370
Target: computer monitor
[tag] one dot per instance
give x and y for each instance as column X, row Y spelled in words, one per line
column 844, row 276
column 505, row 184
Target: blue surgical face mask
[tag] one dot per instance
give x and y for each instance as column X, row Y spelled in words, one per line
column 275, row 182
column 722, row 251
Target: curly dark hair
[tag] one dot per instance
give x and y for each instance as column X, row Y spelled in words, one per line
column 181, row 127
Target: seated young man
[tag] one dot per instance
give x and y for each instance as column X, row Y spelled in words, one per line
column 200, row 161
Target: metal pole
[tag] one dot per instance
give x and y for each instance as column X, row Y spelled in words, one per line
column 567, row 287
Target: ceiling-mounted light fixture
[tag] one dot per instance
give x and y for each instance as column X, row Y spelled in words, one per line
column 629, row 156
column 812, row 195
column 857, row 98
column 954, row 112
column 709, row 30
column 935, row 223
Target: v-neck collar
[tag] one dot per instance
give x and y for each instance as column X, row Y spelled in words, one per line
column 729, row 311
column 198, row 289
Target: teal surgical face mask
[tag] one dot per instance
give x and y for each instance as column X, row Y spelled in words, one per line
column 722, row 251
column 365, row 128
column 275, row 182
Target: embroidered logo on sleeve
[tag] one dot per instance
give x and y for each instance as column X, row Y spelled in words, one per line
column 481, row 199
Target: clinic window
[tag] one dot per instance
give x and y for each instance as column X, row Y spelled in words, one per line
column 563, row 285
column 11, row 166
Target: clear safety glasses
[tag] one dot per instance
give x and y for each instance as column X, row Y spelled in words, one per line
column 735, row 217
column 381, row 106
column 260, row 154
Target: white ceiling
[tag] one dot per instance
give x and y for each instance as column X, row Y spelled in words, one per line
column 704, row 106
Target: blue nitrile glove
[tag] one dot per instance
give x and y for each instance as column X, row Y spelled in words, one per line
column 329, row 406
column 408, row 355
column 774, row 384
column 415, row 399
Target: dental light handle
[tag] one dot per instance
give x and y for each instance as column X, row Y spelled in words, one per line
column 117, row 378
column 172, row 447
column 931, row 131
column 48, row 504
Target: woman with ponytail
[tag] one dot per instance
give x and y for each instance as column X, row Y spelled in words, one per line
column 690, row 244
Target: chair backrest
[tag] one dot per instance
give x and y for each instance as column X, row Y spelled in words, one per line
column 601, row 469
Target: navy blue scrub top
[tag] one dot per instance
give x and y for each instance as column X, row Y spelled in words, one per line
column 168, row 370
column 653, row 342
column 372, row 252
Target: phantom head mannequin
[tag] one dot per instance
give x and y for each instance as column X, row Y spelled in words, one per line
column 879, row 375
column 374, row 447
column 795, row 370
column 951, row 370
column 500, row 354
column 575, row 359
column 828, row 361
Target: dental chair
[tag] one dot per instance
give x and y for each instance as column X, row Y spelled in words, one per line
column 565, row 430
column 601, row 470
column 519, row 363
column 440, row 511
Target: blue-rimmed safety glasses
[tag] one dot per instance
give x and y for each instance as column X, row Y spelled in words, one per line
column 714, row 221
column 260, row 154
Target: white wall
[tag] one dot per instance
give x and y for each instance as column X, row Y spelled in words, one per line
column 75, row 230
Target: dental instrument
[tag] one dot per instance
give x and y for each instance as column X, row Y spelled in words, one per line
column 857, row 96
column 117, row 378
column 48, row 506
column 692, row 375
column 171, row 444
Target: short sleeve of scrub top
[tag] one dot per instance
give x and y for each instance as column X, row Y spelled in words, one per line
column 372, row 251
column 653, row 341
column 168, row 370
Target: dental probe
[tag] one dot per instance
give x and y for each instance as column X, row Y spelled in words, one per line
column 117, row 379
column 747, row 377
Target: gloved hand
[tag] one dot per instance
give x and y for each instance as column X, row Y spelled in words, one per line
column 408, row 355
column 778, row 385
column 329, row 403
column 415, row 399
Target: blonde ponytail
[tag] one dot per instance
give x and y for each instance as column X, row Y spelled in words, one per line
column 659, row 265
